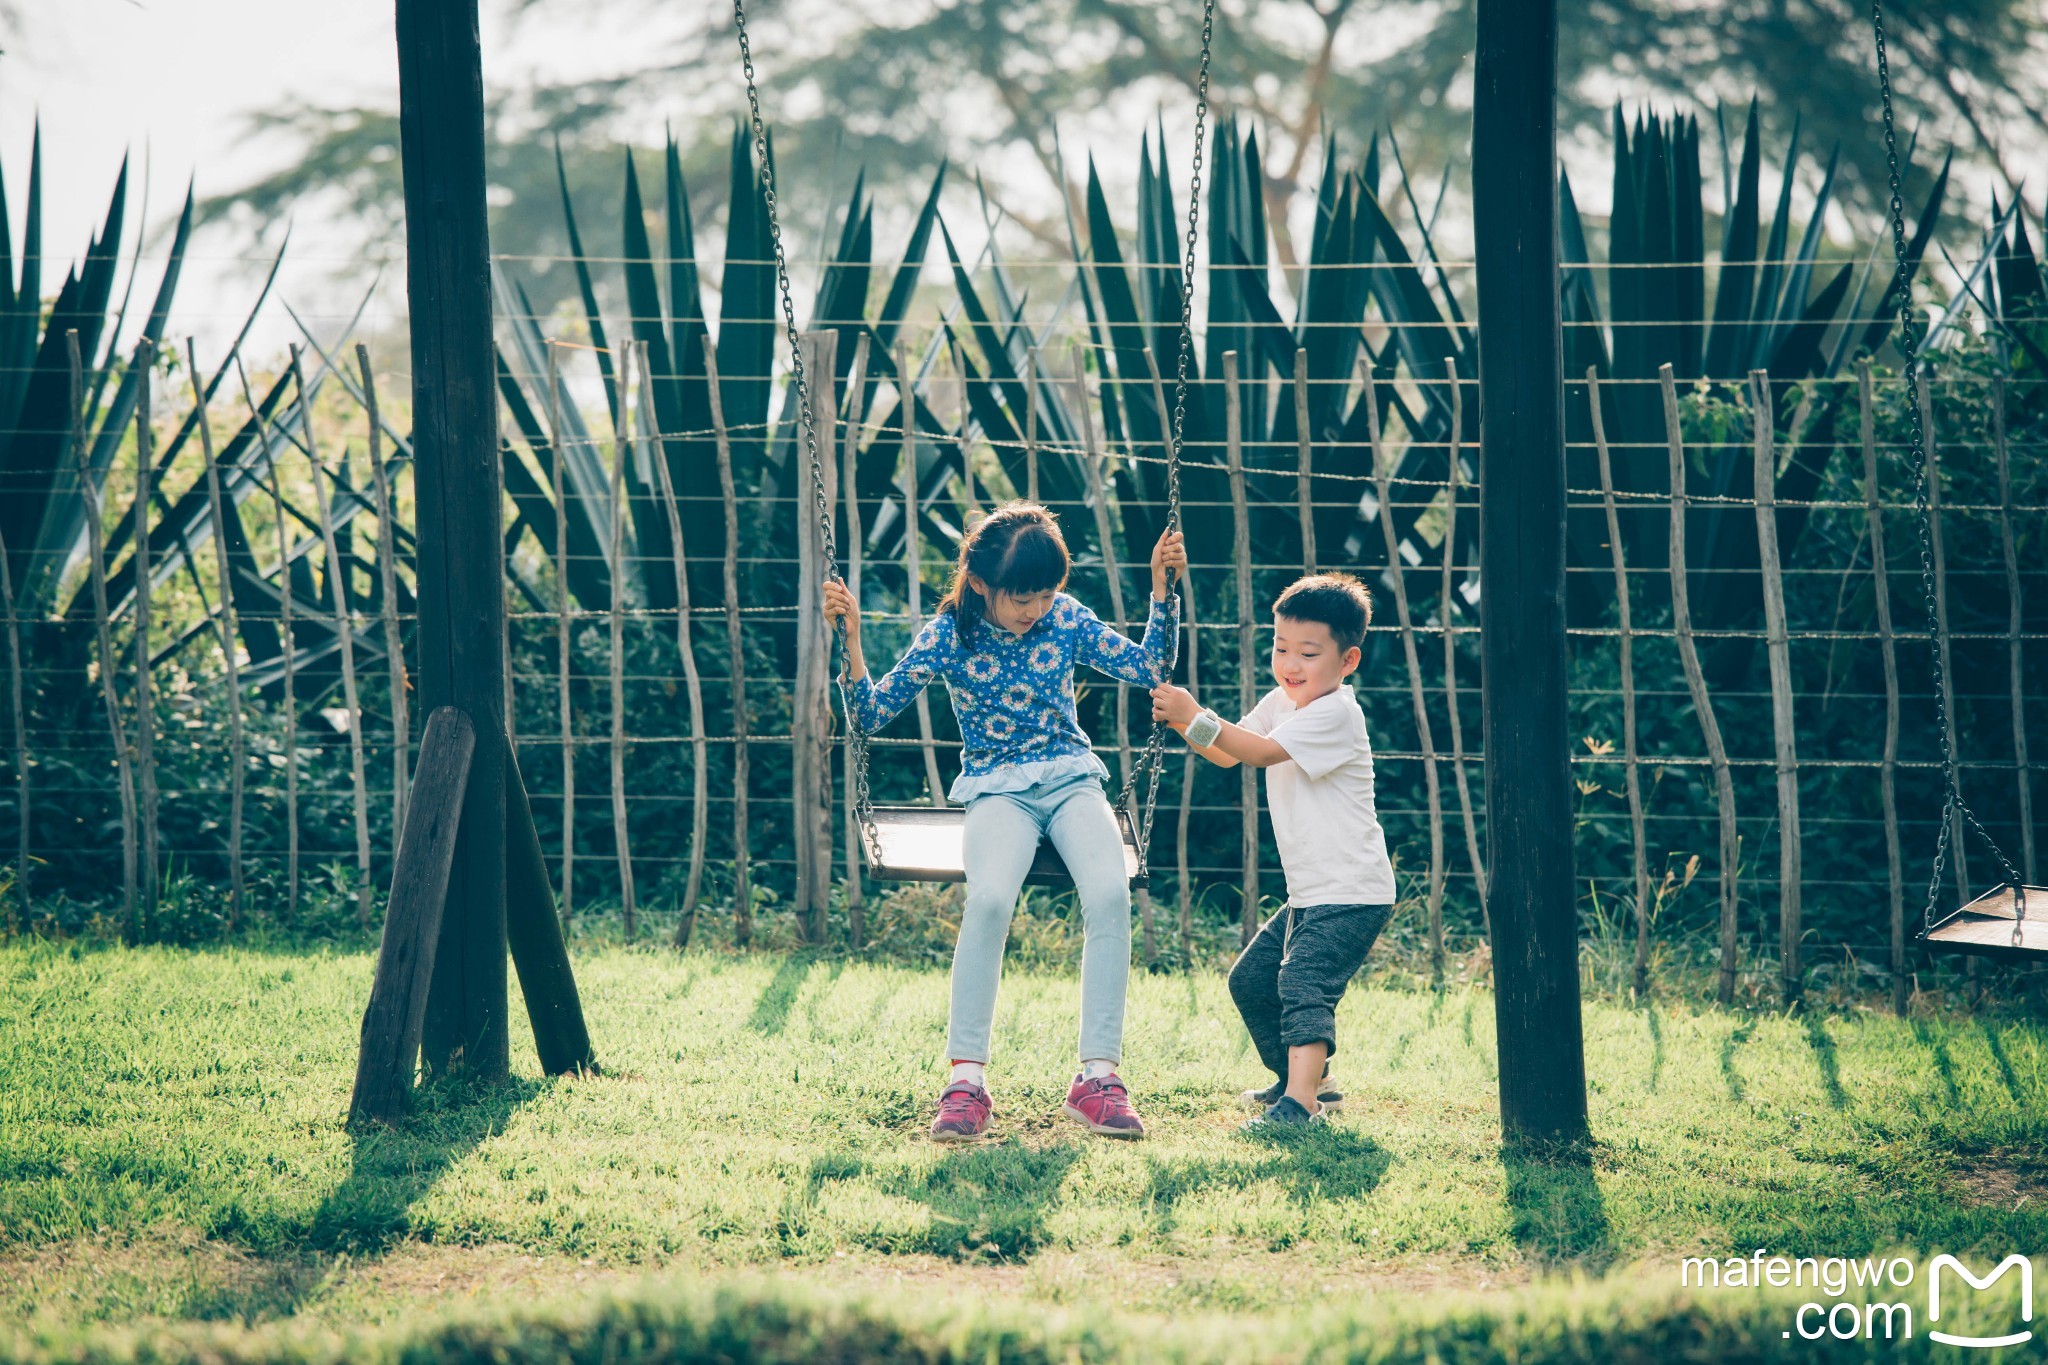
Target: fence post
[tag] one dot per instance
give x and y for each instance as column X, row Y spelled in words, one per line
column 1448, row 600
column 849, row 449
column 736, row 659
column 1303, row 446
column 1957, row 834
column 96, row 559
column 913, row 559
column 1240, row 521
column 2014, row 622
column 16, row 691
column 1880, row 586
column 387, row 584
column 230, row 632
column 1105, row 539
column 565, row 707
column 145, row 692
column 1763, row 422
column 1696, row 685
column 1416, row 695
column 285, row 647
column 1639, row 857
column 345, row 636
column 622, row 451
column 810, row 704
column 693, row 684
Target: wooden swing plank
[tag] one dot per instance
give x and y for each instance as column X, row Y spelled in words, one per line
column 927, row 844
column 1985, row 927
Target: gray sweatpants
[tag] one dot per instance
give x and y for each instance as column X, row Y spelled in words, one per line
column 1289, row 978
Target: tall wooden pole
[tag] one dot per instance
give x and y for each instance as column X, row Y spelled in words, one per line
column 458, row 494
column 1529, row 797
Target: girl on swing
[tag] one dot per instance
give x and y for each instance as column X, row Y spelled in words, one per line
column 1006, row 638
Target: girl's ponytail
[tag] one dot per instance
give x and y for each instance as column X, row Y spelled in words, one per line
column 1017, row 549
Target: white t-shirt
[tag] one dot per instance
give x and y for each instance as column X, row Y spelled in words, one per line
column 1331, row 844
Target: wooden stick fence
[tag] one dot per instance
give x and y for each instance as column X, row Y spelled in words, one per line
column 1881, row 592
column 856, row 858
column 1696, row 686
column 345, row 635
column 134, row 739
column 230, row 646
column 1397, row 577
column 1639, row 858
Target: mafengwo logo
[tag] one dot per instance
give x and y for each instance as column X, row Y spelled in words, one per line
column 1857, row 1293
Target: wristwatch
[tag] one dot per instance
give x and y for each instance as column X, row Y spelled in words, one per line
column 1203, row 730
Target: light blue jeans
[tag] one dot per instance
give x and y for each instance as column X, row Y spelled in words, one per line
column 1002, row 834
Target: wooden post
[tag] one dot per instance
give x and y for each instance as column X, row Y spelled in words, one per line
column 1449, row 599
column 1640, row 860
column 849, row 453
column 1187, row 792
column 2014, row 623
column 534, row 932
column 396, row 1015
column 96, row 559
column 913, row 558
column 693, row 684
column 1030, row 424
column 1958, row 840
column 1304, row 503
column 459, row 489
column 1247, row 696
column 1529, row 796
column 288, row 642
column 387, row 582
column 145, row 692
column 622, row 449
column 345, row 636
column 230, row 635
column 736, row 665
column 1418, row 699
column 1764, row 423
column 811, row 702
column 1112, row 569
column 20, row 711
column 1888, row 773
column 563, row 655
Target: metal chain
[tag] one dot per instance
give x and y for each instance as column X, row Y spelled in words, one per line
column 1154, row 759
column 856, row 739
column 1901, row 297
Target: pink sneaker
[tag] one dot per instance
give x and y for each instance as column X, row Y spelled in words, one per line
column 1103, row 1105
column 964, row 1111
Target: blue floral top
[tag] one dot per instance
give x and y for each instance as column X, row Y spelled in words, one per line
column 1014, row 694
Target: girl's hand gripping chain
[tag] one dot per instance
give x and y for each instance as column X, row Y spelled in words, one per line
column 1169, row 562
column 840, row 606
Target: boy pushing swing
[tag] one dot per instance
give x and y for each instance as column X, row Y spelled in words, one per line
column 1308, row 733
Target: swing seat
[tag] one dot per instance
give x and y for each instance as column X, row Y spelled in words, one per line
column 1985, row 927
column 927, row 844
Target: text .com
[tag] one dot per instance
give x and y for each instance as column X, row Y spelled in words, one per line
column 1876, row 1298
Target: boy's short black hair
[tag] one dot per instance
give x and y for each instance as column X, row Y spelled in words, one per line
column 1337, row 600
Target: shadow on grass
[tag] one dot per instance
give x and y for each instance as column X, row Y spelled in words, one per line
column 1555, row 1203
column 987, row 1202
column 1742, row 1034
column 1824, row 1057
column 1937, row 1053
column 390, row 1168
column 778, row 997
column 1656, row 1027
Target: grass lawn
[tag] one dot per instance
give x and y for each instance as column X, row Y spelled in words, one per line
column 171, row 1151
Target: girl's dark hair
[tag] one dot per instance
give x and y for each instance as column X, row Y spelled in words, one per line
column 1016, row 549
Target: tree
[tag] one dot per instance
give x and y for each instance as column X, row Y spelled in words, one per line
column 975, row 81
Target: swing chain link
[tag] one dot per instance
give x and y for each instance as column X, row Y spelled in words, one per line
column 856, row 739
column 1154, row 759
column 1900, row 297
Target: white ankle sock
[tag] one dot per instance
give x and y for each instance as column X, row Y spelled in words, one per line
column 975, row 1073
column 1095, row 1068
